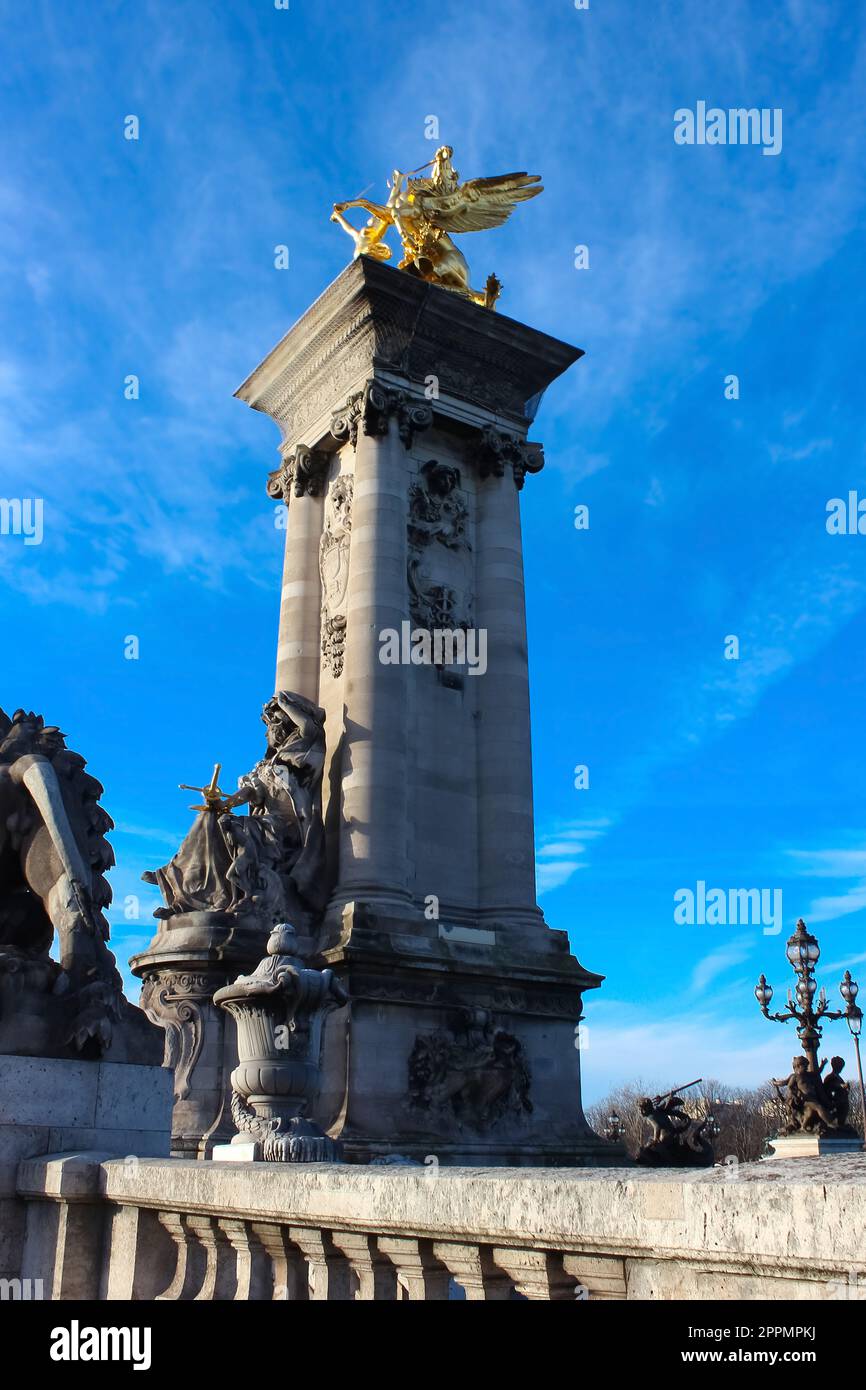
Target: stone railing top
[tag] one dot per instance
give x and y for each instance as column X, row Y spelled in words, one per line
column 757, row 1214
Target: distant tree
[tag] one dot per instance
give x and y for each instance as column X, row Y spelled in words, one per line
column 747, row 1116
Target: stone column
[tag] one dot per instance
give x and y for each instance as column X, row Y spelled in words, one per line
column 290, row 1280
column 330, row 1274
column 300, row 484
column 537, row 1274
column 375, row 1275
column 473, row 1268
column 373, row 825
column 506, row 869
column 420, row 1276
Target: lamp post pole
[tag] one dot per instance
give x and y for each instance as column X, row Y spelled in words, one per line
column 856, row 1037
column 849, row 989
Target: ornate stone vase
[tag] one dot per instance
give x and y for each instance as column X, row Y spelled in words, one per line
column 279, row 1011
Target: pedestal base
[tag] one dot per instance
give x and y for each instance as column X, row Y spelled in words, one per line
column 299, row 1141
column 813, row 1146
column 192, row 956
column 49, row 1105
column 457, row 1053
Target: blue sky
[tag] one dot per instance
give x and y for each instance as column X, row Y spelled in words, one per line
column 707, row 515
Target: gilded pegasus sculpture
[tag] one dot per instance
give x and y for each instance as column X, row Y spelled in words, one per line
column 425, row 211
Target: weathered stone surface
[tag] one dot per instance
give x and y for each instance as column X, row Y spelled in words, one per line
column 58, row 1106
column 372, row 1232
column 806, row 1145
column 414, row 408
column 55, row 1093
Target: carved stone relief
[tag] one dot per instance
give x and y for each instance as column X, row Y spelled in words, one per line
column 438, row 568
column 471, row 1072
column 334, row 550
column 301, row 474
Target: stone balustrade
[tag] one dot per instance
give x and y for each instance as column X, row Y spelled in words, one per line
column 145, row 1229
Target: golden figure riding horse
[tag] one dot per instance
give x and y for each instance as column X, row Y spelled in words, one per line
column 425, row 211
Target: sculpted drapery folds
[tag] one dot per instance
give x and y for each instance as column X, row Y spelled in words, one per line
column 270, row 861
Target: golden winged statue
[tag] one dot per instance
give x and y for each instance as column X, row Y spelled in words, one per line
column 425, row 211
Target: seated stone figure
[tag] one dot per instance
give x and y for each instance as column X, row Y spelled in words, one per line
column 269, row 862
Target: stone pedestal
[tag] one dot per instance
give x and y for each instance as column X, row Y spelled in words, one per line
column 189, row 959
column 51, row 1105
column 404, row 412
column 813, row 1145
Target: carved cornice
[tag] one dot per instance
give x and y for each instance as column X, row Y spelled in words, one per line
column 494, row 450
column 302, row 474
column 376, row 321
column 371, row 409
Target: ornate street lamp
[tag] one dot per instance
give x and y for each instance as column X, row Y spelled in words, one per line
column 712, row 1128
column 813, row 1102
column 614, row 1128
column 803, row 952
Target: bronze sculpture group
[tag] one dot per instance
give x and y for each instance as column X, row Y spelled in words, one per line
column 426, row 211
column 815, row 1103
column 677, row 1139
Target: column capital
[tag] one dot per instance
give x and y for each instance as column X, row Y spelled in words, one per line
column 371, row 409
column 493, row 449
column 301, row 474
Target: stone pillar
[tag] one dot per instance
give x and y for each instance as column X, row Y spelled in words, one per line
column 507, row 891
column 330, row 1274
column 290, row 1279
column 432, row 922
column 537, row 1274
column 373, row 862
column 142, row 1258
column 191, row 1263
column 253, row 1268
column 299, row 484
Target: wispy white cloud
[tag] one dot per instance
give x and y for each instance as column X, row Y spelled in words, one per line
column 717, row 962
column 561, row 853
column 626, row 1041
column 840, row 864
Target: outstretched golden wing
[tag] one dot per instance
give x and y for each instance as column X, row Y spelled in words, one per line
column 477, row 205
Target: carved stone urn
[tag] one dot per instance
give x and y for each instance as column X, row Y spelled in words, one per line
column 279, row 1010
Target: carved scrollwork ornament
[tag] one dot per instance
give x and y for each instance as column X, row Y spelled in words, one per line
column 301, row 474
column 494, row 450
column 174, row 1003
column 371, row 409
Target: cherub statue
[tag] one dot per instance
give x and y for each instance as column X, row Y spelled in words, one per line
column 368, row 239
column 677, row 1139
column 425, row 211
column 808, row 1104
column 838, row 1090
